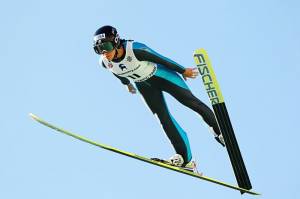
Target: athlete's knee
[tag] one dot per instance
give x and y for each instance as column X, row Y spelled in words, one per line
column 162, row 116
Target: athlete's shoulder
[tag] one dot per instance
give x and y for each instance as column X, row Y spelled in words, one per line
column 139, row 46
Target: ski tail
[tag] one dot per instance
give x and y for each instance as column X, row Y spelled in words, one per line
column 215, row 95
column 232, row 147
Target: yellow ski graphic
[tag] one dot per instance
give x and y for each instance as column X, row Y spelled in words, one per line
column 208, row 76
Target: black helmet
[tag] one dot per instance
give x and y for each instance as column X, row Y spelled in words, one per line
column 106, row 38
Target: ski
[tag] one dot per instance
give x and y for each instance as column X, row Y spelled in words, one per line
column 138, row 157
column 214, row 93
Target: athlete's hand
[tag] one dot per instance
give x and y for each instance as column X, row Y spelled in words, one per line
column 131, row 88
column 190, row 73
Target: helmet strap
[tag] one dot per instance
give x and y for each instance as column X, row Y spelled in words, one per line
column 117, row 51
column 116, row 54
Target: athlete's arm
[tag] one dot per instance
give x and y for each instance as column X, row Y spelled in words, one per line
column 124, row 80
column 144, row 53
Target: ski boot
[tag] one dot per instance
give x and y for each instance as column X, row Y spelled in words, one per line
column 177, row 161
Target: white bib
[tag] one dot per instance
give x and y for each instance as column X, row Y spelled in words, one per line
column 130, row 67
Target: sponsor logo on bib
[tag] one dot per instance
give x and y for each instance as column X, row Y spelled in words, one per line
column 122, row 67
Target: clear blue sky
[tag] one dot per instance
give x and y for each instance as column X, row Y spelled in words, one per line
column 48, row 67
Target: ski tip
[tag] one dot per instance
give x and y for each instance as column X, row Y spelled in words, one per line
column 199, row 50
column 33, row 116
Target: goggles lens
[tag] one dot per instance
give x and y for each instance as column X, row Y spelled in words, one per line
column 104, row 47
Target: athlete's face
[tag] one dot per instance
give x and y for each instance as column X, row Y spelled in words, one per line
column 110, row 55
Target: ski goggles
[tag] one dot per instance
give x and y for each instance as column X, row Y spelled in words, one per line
column 104, row 47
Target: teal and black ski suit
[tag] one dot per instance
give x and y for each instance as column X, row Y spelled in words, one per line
column 163, row 77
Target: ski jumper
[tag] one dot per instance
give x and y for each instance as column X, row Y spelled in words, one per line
column 154, row 74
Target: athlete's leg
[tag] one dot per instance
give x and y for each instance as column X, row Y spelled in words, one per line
column 186, row 97
column 155, row 100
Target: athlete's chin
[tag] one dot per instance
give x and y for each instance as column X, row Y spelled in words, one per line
column 109, row 58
